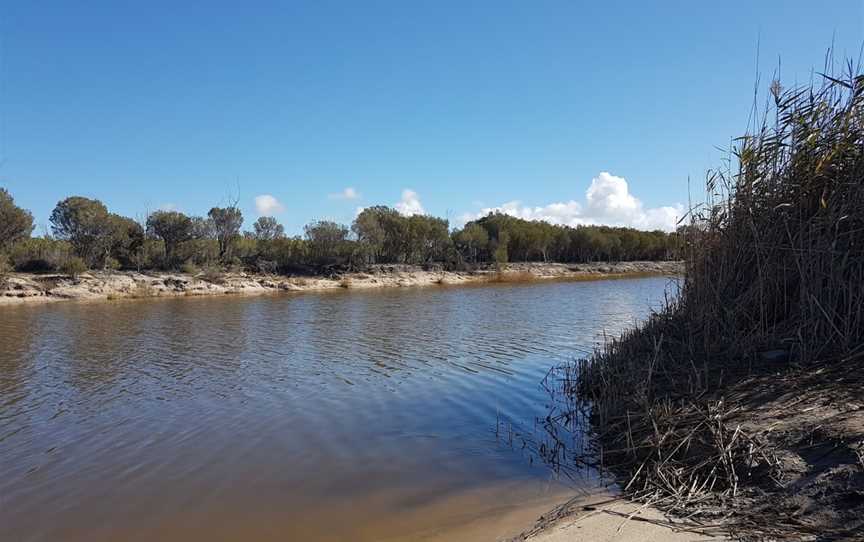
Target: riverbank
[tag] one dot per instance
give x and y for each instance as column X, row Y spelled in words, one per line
column 19, row 288
column 606, row 518
column 763, row 446
column 594, row 517
column 740, row 404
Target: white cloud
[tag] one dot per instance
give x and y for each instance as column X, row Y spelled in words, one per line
column 609, row 197
column 568, row 213
column 267, row 205
column 167, row 207
column 348, row 193
column 608, row 201
column 410, row 204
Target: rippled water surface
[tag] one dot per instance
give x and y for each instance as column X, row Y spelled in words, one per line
column 344, row 416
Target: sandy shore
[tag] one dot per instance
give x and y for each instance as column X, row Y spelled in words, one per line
column 596, row 517
column 605, row 518
column 19, row 288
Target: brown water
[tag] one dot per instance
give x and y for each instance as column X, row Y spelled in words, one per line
column 345, row 416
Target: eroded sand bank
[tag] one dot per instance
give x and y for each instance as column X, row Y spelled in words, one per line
column 102, row 285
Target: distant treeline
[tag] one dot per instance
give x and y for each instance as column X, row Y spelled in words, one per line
column 86, row 235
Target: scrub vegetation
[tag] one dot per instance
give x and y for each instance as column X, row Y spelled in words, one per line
column 86, row 235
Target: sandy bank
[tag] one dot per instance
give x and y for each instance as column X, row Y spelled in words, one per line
column 807, row 427
column 100, row 285
column 602, row 518
column 596, row 517
column 488, row 515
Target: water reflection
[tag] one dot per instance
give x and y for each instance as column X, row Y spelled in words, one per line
column 185, row 419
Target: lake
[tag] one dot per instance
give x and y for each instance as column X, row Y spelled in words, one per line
column 355, row 415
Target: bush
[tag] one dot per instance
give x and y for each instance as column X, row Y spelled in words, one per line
column 5, row 269
column 267, row 267
column 151, row 255
column 201, row 252
column 73, row 266
column 39, row 254
column 15, row 223
column 190, row 268
column 244, row 249
column 286, row 252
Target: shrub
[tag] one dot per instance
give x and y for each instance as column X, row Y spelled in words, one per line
column 15, row 223
column 5, row 269
column 39, row 254
column 268, row 267
column 201, row 252
column 190, row 268
column 150, row 255
column 286, row 252
column 73, row 266
column 234, row 265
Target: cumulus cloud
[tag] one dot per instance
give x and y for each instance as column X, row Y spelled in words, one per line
column 348, row 193
column 608, row 201
column 410, row 204
column 167, row 207
column 567, row 213
column 267, row 205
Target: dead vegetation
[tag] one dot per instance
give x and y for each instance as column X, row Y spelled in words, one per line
column 740, row 405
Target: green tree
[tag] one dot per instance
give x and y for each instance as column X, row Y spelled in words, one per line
column 501, row 254
column 428, row 238
column 202, row 228
column 173, row 228
column 15, row 223
column 383, row 233
column 370, row 232
column 86, row 224
column 226, row 224
column 267, row 229
column 127, row 240
column 286, row 252
column 474, row 239
column 326, row 240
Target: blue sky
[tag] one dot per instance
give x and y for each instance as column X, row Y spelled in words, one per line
column 540, row 108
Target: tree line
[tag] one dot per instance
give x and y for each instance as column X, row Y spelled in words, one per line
column 86, row 235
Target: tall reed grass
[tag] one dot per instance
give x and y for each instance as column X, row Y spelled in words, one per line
column 774, row 279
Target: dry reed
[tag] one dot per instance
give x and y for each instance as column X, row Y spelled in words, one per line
column 774, row 279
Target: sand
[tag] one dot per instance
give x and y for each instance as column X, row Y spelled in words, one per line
column 602, row 518
column 596, row 517
column 17, row 288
